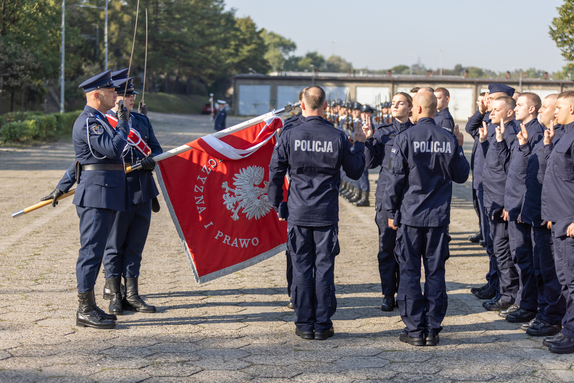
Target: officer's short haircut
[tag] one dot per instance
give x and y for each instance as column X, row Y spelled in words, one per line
column 569, row 95
column 426, row 89
column 407, row 96
column 444, row 91
column 314, row 97
column 509, row 101
column 415, row 89
column 553, row 96
column 532, row 99
column 302, row 93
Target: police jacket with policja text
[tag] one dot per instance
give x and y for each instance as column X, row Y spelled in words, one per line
column 313, row 154
column 425, row 160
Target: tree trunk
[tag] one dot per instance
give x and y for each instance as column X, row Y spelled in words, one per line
column 12, row 100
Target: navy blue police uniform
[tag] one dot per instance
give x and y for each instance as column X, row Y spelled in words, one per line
column 426, row 159
column 444, row 120
column 519, row 233
column 290, row 124
column 494, row 184
column 551, row 301
column 378, row 152
column 101, row 192
column 220, row 118
column 313, row 154
column 128, row 236
column 477, row 164
column 558, row 208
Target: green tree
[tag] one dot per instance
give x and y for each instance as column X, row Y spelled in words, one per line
column 401, row 69
column 278, row 49
column 562, row 29
column 337, row 64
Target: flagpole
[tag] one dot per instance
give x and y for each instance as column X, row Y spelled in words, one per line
column 222, row 133
column 176, row 151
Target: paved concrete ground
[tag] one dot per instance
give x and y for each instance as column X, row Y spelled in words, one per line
column 236, row 328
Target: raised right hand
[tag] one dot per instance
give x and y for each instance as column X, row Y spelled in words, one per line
column 549, row 134
column 483, row 132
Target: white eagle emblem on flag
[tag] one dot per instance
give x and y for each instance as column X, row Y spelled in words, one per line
column 247, row 195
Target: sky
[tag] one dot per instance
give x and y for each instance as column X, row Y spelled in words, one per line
column 499, row 35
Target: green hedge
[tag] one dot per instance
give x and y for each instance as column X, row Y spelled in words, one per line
column 34, row 126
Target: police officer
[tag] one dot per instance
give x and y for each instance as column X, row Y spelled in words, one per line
column 442, row 117
column 558, row 208
column 362, row 184
column 494, row 185
column 291, row 123
column 490, row 290
column 221, row 115
column 127, row 239
column 426, row 159
column 519, row 233
column 378, row 147
column 551, row 302
column 101, row 190
column 313, row 153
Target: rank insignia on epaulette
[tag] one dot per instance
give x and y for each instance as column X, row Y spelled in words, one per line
column 394, row 150
column 96, row 129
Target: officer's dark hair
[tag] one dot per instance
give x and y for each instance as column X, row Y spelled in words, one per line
column 407, row 96
column 414, row 90
column 533, row 100
column 302, row 93
column 568, row 94
column 444, row 91
column 314, row 97
column 482, row 94
column 509, row 101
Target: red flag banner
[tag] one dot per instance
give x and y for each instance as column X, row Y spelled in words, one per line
column 217, row 196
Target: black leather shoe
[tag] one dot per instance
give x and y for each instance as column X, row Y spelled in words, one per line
column 322, row 335
column 90, row 315
column 543, row 328
column 504, row 313
column 133, row 301
column 551, row 339
column 388, row 304
column 475, row 290
column 521, row 316
column 475, row 238
column 432, row 339
column 526, row 326
column 564, row 345
column 290, row 304
column 413, row 341
column 305, row 334
column 486, row 294
column 496, row 305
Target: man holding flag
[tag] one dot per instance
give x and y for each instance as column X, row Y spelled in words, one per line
column 313, row 155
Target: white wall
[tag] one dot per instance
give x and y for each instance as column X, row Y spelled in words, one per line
column 287, row 94
column 254, row 99
column 336, row 92
column 370, row 95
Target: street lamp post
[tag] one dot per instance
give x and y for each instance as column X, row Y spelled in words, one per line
column 441, row 52
column 105, row 26
column 63, row 56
